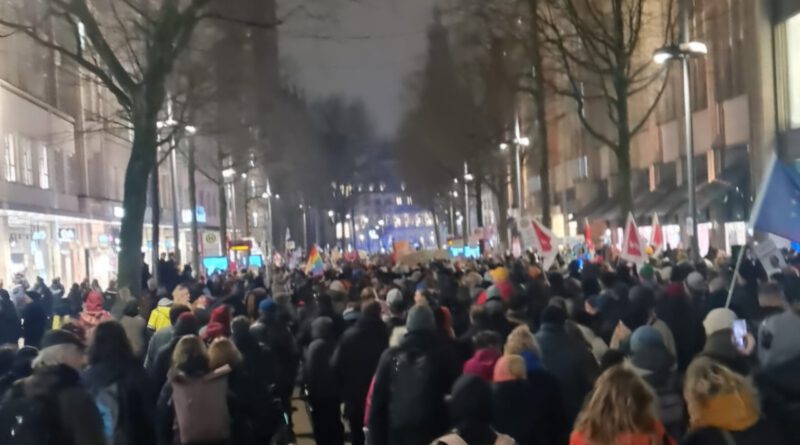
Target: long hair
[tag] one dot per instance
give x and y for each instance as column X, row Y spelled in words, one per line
column 706, row 379
column 190, row 357
column 621, row 403
column 223, row 352
column 521, row 340
column 110, row 344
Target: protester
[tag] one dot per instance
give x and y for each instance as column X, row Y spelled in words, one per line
column 470, row 407
column 34, row 319
column 10, row 326
column 723, row 408
column 515, row 411
column 320, row 382
column 160, row 316
column 355, row 361
column 135, row 328
column 162, row 337
column 621, row 410
column 93, row 313
column 159, row 372
column 119, row 385
column 681, row 308
column 721, row 345
column 488, row 346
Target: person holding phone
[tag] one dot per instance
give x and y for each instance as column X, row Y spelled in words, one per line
column 728, row 341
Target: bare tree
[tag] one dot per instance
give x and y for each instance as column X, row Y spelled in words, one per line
column 131, row 48
column 603, row 55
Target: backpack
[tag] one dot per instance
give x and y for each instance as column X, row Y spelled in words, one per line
column 108, row 400
column 413, row 385
column 455, row 439
column 29, row 420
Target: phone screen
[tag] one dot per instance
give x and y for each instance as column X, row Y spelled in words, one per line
column 740, row 333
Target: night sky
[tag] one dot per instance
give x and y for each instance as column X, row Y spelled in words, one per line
column 375, row 45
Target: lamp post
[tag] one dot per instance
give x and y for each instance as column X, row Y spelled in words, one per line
column 519, row 143
column 467, row 179
column 684, row 51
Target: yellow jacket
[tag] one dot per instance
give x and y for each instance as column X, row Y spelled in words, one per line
column 159, row 318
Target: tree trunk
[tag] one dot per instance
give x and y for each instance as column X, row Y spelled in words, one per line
column 479, row 201
column 621, row 90
column 541, row 115
column 223, row 207
column 502, row 217
column 624, row 194
column 193, row 207
column 140, row 165
column 155, row 218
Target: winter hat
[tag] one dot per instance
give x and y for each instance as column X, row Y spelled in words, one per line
column 646, row 272
column 420, row 318
column 186, row 325
column 499, row 275
column 60, row 337
column 646, row 337
column 214, row 330
column 222, row 316
column 508, row 368
column 696, row 283
column 482, row 363
column 336, row 286
column 394, row 298
column 719, row 319
column 554, row 315
column 266, row 304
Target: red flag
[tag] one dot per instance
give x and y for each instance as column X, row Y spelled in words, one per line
column 632, row 250
column 587, row 235
column 657, row 235
column 545, row 243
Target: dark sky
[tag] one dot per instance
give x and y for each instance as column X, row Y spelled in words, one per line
column 375, row 45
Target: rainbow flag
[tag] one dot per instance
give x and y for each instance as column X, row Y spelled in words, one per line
column 314, row 266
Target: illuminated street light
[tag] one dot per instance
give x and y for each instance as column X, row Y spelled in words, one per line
column 503, row 146
column 330, row 213
column 228, row 173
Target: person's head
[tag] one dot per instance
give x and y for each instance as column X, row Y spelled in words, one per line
column 185, row 325
column 175, row 312
column 394, row 298
column 508, row 368
column 706, row 381
column 60, row 347
column 110, row 345
column 420, row 319
column 521, row 340
column 488, row 339
column 718, row 320
column 554, row 315
column 223, row 352
column 180, row 296
column 131, row 308
column 322, row 328
column 470, row 401
column 371, row 310
column 791, row 292
column 222, row 315
column 696, row 285
column 478, row 316
column 240, row 326
column 190, row 357
column 368, row 294
column 621, row 403
column 770, row 295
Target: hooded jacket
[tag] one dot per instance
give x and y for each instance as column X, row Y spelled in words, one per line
column 318, row 375
column 482, row 364
column 779, row 388
column 159, row 318
column 731, row 418
column 719, row 347
column 356, row 358
column 93, row 312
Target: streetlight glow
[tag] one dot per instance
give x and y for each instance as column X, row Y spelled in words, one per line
column 228, row 173
column 524, row 141
column 694, row 48
column 503, row 146
column 190, row 129
column 330, row 213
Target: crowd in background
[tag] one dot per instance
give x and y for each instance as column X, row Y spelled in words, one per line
column 494, row 351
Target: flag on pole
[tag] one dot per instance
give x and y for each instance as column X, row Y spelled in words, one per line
column 544, row 242
column 657, row 235
column 632, row 249
column 587, row 235
column 314, row 266
column 777, row 206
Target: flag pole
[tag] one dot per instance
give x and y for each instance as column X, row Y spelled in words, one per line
column 735, row 273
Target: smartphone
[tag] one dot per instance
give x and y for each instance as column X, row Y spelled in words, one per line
column 740, row 334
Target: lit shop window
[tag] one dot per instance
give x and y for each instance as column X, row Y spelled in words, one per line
column 793, row 63
column 27, row 161
column 44, row 169
column 10, row 158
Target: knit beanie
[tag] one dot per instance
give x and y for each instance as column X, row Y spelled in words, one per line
column 186, row 325
column 719, row 319
column 508, row 368
column 420, row 318
column 646, row 337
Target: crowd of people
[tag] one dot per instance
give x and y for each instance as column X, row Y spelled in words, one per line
column 493, row 351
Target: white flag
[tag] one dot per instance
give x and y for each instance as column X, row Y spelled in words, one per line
column 632, row 248
column 544, row 242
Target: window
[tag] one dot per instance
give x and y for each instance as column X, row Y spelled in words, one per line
column 11, row 158
column 793, row 63
column 409, row 201
column 44, row 168
column 27, row 161
column 399, row 200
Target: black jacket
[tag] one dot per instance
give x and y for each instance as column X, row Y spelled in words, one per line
column 570, row 361
column 762, row 433
column 779, row 387
column 356, row 358
column 10, row 327
column 719, row 347
column 317, row 373
column 447, row 370
column 275, row 335
column 35, row 323
column 136, row 397
column 530, row 410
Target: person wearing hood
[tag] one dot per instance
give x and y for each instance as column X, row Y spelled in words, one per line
column 720, row 345
column 20, row 367
column 41, row 288
column 514, row 411
column 355, row 361
column 219, row 324
column 681, row 309
column 724, row 409
column 194, row 399
column 396, row 324
column 93, row 312
column 34, row 319
column 621, row 410
column 488, row 345
column 119, row 384
column 653, row 362
column 159, row 317
column 411, row 381
column 185, row 325
column 55, row 387
column 470, row 407
column 162, row 337
column 567, row 358
column 320, row 382
column 10, row 326
column 135, row 328
column 645, row 298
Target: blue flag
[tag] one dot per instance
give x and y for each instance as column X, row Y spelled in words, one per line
column 777, row 206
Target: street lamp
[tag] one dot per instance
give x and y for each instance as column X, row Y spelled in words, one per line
column 683, row 52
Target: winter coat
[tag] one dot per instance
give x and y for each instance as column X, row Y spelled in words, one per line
column 10, row 326
column 720, row 348
column 659, row 438
column 599, row 347
column 275, row 335
column 482, row 363
column 530, row 410
column 731, row 416
column 356, row 358
column 93, row 313
column 572, row 364
column 685, row 320
column 658, row 368
column 136, row 331
column 317, row 373
column 157, row 341
column 777, row 339
column 199, row 407
column 159, row 317
column 779, row 388
column 441, row 360
column 136, row 397
column 75, row 419
column 34, row 323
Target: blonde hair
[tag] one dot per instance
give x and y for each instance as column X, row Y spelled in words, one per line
column 189, row 352
column 521, row 340
column 706, row 379
column 223, row 352
column 621, row 403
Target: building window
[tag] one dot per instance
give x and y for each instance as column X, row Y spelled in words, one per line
column 11, row 158
column 399, row 200
column 409, row 201
column 44, row 168
column 27, row 161
column 793, row 63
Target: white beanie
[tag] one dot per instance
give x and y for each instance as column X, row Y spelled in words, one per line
column 719, row 319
